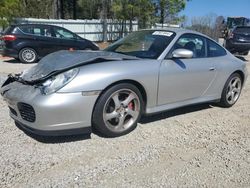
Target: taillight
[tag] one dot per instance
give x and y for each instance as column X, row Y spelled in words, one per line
column 9, row 37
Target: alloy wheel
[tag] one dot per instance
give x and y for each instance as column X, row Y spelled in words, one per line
column 28, row 55
column 121, row 110
column 233, row 90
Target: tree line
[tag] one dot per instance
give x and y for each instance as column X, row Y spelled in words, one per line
column 146, row 12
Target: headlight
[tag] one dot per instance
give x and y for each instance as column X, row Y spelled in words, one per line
column 57, row 82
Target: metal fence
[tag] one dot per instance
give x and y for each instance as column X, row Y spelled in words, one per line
column 89, row 29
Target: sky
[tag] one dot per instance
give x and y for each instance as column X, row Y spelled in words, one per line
column 219, row 7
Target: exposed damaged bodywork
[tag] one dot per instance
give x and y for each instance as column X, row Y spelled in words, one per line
column 60, row 61
column 63, row 60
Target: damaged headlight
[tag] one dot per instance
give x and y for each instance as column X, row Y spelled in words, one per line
column 57, row 82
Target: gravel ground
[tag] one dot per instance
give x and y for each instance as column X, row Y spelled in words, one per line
column 199, row 146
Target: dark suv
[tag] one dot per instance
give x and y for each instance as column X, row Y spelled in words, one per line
column 238, row 40
column 30, row 42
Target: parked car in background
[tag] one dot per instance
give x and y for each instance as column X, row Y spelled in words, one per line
column 30, row 42
column 238, row 40
column 146, row 72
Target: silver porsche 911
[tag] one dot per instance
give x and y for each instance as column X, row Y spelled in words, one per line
column 146, row 72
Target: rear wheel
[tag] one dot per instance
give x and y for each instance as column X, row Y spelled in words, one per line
column 231, row 91
column 118, row 110
column 27, row 55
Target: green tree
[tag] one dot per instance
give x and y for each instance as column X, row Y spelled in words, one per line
column 8, row 10
column 36, row 8
column 168, row 10
column 58, row 9
column 145, row 13
column 88, row 9
column 141, row 10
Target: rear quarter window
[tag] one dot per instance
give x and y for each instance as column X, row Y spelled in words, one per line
column 36, row 30
column 8, row 30
column 215, row 50
column 27, row 29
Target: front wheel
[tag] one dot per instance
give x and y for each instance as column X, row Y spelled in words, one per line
column 27, row 55
column 118, row 110
column 231, row 91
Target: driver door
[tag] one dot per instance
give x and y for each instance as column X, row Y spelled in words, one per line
column 185, row 79
column 66, row 39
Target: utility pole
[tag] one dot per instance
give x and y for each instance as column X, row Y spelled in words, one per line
column 104, row 17
column 74, row 9
column 61, row 9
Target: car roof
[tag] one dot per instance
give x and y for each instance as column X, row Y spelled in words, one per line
column 36, row 24
column 178, row 31
column 173, row 29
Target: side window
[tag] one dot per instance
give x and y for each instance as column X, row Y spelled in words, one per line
column 27, row 29
column 195, row 43
column 47, row 31
column 37, row 31
column 215, row 50
column 64, row 34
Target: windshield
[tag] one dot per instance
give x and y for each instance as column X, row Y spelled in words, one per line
column 242, row 30
column 233, row 22
column 143, row 44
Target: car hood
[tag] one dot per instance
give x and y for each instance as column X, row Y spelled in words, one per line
column 63, row 60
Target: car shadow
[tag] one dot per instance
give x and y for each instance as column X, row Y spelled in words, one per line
column 144, row 120
column 14, row 61
column 176, row 112
column 180, row 63
column 55, row 139
column 167, row 114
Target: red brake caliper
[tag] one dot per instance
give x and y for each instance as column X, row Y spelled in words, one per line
column 131, row 106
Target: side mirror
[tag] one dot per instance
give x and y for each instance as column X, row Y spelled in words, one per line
column 182, row 53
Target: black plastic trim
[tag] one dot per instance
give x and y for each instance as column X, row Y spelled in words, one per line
column 25, row 128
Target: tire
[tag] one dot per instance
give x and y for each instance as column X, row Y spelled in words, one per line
column 231, row 91
column 118, row 110
column 27, row 55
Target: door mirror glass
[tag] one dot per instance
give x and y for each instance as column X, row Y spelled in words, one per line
column 182, row 53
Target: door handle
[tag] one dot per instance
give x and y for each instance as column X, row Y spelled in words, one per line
column 211, row 68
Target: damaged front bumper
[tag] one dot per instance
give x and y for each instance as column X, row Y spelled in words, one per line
column 54, row 114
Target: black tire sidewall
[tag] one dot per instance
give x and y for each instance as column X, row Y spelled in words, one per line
column 97, row 117
column 223, row 101
column 20, row 55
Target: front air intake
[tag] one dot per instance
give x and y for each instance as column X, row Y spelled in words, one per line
column 27, row 112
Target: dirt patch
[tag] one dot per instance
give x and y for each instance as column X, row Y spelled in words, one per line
column 103, row 45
